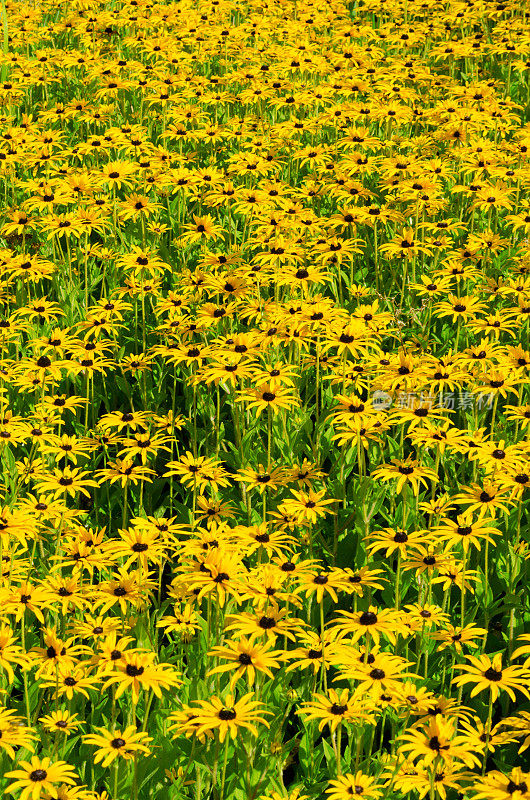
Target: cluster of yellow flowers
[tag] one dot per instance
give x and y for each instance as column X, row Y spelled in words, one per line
column 264, row 405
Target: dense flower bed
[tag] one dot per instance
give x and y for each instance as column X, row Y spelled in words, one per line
column 265, row 302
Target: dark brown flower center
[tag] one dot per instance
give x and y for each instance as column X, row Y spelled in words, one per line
column 227, row 714
column 133, row 671
column 493, row 674
column 117, row 743
column 368, row 618
column 38, row 775
column 377, row 674
column 267, row 623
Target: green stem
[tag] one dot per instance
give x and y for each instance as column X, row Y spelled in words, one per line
column 223, row 776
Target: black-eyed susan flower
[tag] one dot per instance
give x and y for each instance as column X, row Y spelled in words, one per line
column 466, row 530
column 375, row 622
column 268, row 398
column 68, row 481
column 142, row 544
column 246, row 658
column 438, row 740
column 406, row 472
column 485, row 498
column 321, row 583
column 458, row 637
column 308, row 507
column 349, row 785
column 272, row 622
column 138, row 671
column 378, row 675
column 202, row 229
column 40, row 775
column 124, row 472
column 220, row 574
column 229, row 716
column 117, row 744
column 263, row 478
column 332, row 709
column 486, row 673
column 496, row 785
column 396, row 540
column 184, row 622
column 312, row 650
column 60, row 722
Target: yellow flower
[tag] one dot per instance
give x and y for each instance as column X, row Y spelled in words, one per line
column 332, row 709
column 349, row 785
column 39, row 775
column 308, row 507
column 113, row 745
column 488, row 673
column 268, row 398
column 246, row 657
column 229, row 716
column 137, row 672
